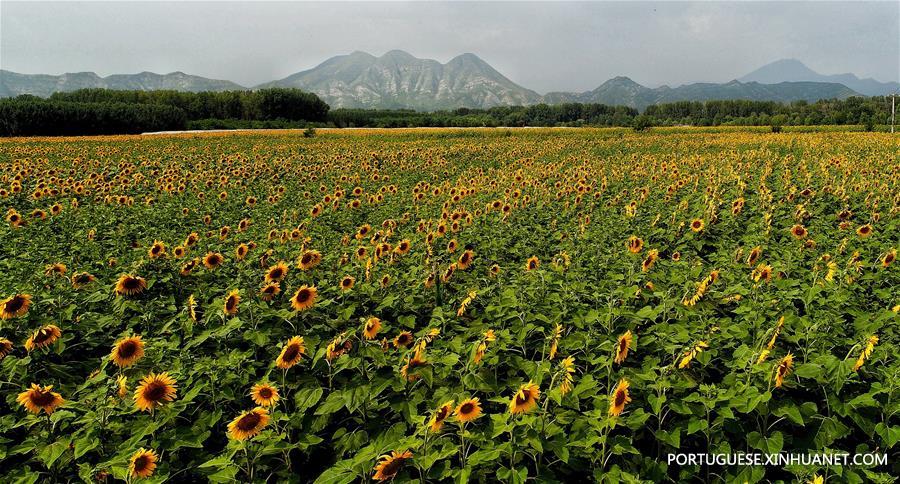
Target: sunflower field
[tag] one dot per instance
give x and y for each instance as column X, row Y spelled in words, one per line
column 568, row 305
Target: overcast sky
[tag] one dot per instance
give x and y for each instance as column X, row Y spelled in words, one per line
column 543, row 46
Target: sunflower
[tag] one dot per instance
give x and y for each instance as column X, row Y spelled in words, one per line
column 127, row 352
column 408, row 371
column 403, row 340
column 212, row 260
column 468, row 410
column 864, row 230
column 871, row 341
column 440, row 415
column 264, row 394
column 622, row 346
column 57, row 269
column 465, row 260
column 619, row 398
column 291, row 353
column 248, row 424
column 157, row 250
column 179, row 251
column 889, row 258
column 494, row 270
column 783, row 368
column 525, row 399
column 799, row 231
column 81, row 279
column 347, row 283
column 338, row 347
column 122, row 386
column 43, row 338
column 241, row 251
column 143, row 463
column 389, row 465
column 763, row 272
column 635, row 244
column 39, row 398
column 373, row 325
column 154, row 390
column 754, row 255
column 697, row 224
column 309, row 260
column 130, row 285
column 304, row 298
column 187, row 267
column 403, row 247
column 191, row 307
column 230, row 306
column 15, row 306
column 269, row 291
column 277, row 272
column 6, row 347
column 532, row 263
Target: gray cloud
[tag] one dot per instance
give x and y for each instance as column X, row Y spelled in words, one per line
column 543, row 46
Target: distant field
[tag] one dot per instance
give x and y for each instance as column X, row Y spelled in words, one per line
column 442, row 304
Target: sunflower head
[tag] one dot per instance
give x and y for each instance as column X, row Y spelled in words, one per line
column 157, row 250
column 154, row 390
column 619, row 398
column 440, row 416
column 264, row 394
column 130, row 285
column 38, row 398
column 269, row 291
column 127, row 351
column 81, row 279
column 248, row 424
column 347, row 283
column 799, row 231
column 15, row 306
column 143, row 463
column 403, row 340
column 291, row 354
column 213, row 260
column 277, row 272
column 230, row 305
column 525, row 399
column 468, row 410
column 6, row 347
column 43, row 337
column 623, row 345
column 304, row 298
column 371, row 328
column 532, row 263
column 389, row 465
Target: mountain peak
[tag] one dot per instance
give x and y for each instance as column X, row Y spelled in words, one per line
column 793, row 70
column 398, row 54
column 398, row 79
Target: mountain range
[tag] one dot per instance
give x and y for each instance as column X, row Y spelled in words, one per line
column 792, row 70
column 399, row 80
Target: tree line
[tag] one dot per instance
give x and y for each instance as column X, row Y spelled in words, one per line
column 852, row 111
column 107, row 111
column 104, row 111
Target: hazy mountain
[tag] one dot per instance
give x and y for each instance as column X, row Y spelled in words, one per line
column 622, row 90
column 792, row 70
column 399, row 80
column 14, row 84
